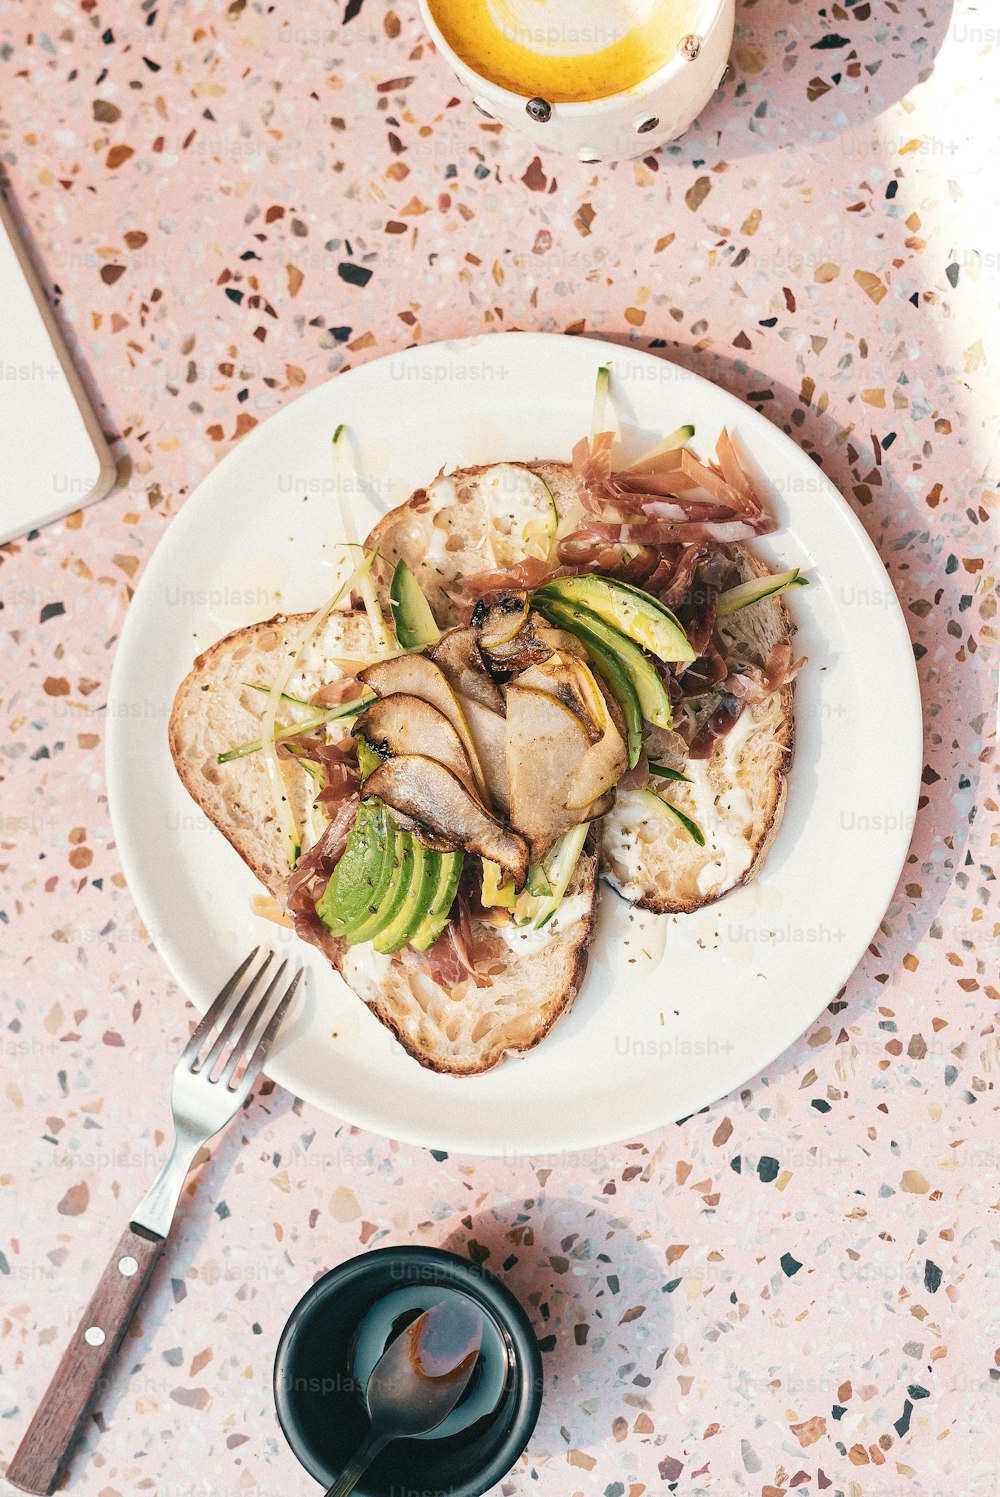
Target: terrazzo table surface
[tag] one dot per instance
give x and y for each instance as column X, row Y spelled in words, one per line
column 795, row 1289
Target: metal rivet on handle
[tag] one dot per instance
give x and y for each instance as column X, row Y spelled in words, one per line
column 539, row 109
column 649, row 124
column 94, row 1336
column 689, row 46
column 127, row 1267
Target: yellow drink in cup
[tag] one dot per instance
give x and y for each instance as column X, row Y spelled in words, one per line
column 596, row 79
column 565, row 50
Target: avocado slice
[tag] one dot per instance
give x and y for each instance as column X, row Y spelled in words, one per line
column 421, row 889
column 439, row 909
column 376, row 917
column 637, row 615
column 649, row 690
column 418, row 897
column 358, row 883
column 411, row 612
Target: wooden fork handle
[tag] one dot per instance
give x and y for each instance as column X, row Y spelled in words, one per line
column 82, row 1375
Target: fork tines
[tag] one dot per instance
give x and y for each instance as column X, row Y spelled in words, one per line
column 232, row 1038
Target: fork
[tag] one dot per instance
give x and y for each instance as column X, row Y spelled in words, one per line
column 211, row 1080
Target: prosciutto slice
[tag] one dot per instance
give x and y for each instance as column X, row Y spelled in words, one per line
column 339, row 764
column 344, row 689
column 702, row 674
column 682, row 499
column 751, row 684
column 667, row 532
column 582, row 551
column 523, row 576
column 312, row 872
column 720, row 721
column 592, row 469
column 744, row 684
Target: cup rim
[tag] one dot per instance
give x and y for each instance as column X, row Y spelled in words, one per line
column 463, row 1274
column 708, row 17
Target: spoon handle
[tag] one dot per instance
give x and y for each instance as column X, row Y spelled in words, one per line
column 372, row 1444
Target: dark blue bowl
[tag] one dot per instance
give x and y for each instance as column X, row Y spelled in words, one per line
column 320, row 1403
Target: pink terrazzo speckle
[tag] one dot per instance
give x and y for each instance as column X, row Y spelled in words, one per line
column 794, row 1290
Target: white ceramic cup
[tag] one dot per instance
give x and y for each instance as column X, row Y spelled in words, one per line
column 632, row 123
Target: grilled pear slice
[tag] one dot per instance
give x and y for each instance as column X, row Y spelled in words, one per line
column 603, row 766
column 546, row 747
column 422, row 788
column 489, row 729
column 569, row 680
column 559, row 641
column 457, row 655
column 417, row 676
column 498, row 623
column 403, row 724
column 524, row 647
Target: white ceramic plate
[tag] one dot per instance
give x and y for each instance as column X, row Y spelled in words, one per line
column 675, row 1011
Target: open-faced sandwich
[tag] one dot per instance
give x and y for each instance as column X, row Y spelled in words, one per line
column 538, row 674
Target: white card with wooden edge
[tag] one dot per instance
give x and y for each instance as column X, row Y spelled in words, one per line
column 53, row 456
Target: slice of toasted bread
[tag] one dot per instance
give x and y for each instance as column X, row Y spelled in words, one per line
column 441, row 531
column 533, row 982
column 535, row 977
column 216, row 709
column 737, row 797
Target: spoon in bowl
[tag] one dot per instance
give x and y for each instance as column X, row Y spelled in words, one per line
column 416, row 1382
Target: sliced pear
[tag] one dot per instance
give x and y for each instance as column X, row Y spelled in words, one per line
column 570, row 682
column 489, row 729
column 524, row 648
column 417, row 676
column 560, row 641
column 457, row 655
column 574, row 685
column 599, row 808
column 425, row 790
column 498, row 623
column 546, row 746
column 403, row 724
column 603, row 766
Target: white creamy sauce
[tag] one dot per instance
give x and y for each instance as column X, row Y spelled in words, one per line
column 316, row 668
column 725, row 820
column 528, row 942
column 366, row 970
column 619, row 837
column 628, row 940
